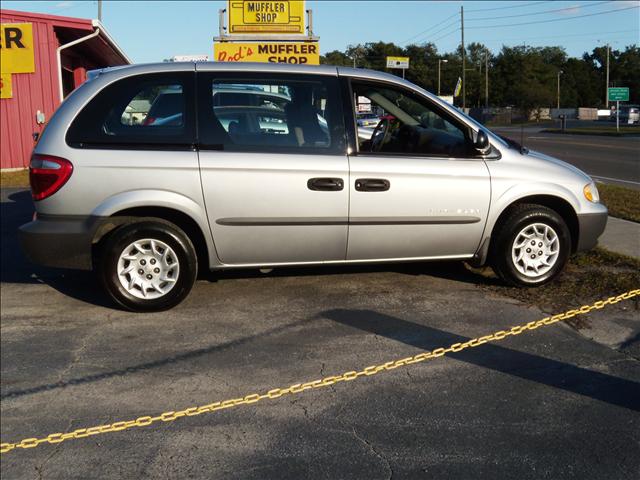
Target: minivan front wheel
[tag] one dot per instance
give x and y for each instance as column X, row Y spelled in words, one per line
column 531, row 246
column 148, row 266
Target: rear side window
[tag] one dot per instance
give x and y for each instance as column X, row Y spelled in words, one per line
column 270, row 113
column 145, row 111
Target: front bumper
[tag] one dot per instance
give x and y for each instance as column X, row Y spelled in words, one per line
column 60, row 240
column 590, row 227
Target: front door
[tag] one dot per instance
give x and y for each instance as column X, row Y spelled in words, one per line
column 273, row 167
column 417, row 188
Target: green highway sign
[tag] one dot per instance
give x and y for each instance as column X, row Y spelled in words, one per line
column 618, row 94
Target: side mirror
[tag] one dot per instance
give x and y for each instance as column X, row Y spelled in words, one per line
column 482, row 144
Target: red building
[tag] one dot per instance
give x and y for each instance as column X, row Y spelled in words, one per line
column 44, row 57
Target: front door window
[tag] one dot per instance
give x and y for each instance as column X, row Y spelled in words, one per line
column 408, row 125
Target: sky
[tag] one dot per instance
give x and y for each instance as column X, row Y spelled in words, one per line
column 150, row 31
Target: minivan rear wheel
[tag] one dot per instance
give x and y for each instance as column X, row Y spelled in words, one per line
column 531, row 246
column 148, row 266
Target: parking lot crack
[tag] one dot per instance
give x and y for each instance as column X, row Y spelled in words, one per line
column 371, row 448
column 408, row 372
column 40, row 468
column 75, row 357
column 323, row 375
column 323, row 425
column 305, row 410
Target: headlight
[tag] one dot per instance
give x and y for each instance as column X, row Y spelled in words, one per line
column 591, row 192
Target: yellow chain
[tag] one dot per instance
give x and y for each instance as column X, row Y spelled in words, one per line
column 324, row 382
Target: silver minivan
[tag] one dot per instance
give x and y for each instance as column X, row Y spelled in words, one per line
column 263, row 165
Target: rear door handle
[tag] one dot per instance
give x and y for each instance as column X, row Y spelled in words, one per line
column 372, row 185
column 325, row 184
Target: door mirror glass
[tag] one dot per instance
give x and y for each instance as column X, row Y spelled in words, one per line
column 482, row 142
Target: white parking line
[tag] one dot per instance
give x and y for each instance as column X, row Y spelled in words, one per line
column 597, row 145
column 615, row 179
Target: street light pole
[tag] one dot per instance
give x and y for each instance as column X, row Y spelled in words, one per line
column 464, row 75
column 99, row 10
column 606, row 87
column 560, row 72
column 439, row 62
column 486, row 78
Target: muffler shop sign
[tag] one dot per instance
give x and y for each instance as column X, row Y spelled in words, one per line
column 270, row 17
column 16, row 48
column 268, row 52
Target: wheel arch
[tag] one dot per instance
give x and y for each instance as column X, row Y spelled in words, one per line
column 180, row 219
column 558, row 204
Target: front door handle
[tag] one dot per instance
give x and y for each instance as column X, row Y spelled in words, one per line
column 325, row 184
column 372, row 185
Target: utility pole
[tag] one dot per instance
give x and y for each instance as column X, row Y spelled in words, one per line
column 479, row 80
column 606, row 87
column 560, row 72
column 440, row 61
column 100, row 10
column 464, row 74
column 486, row 77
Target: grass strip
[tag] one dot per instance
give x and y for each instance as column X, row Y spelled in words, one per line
column 622, row 202
column 14, row 179
column 587, row 277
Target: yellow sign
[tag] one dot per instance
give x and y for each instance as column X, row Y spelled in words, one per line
column 16, row 48
column 290, row 52
column 270, row 17
column 5, row 86
column 397, row 62
column 458, row 89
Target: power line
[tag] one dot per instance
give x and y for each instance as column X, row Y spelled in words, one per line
column 430, row 28
column 455, row 22
column 446, row 35
column 522, row 5
column 575, row 40
column 572, row 35
column 554, row 20
column 541, row 12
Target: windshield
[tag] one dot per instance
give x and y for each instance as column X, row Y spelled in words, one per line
column 507, row 142
column 499, row 138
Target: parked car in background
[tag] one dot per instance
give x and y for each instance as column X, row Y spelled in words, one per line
column 288, row 179
column 367, row 119
column 163, row 108
column 629, row 114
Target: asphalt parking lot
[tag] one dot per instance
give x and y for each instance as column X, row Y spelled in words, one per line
column 548, row 404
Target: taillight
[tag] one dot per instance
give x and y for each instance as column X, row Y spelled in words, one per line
column 149, row 121
column 47, row 174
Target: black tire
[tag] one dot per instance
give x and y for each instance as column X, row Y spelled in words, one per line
column 518, row 218
column 158, row 230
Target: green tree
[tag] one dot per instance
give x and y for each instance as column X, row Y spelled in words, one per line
column 336, row 57
column 520, row 76
column 475, row 60
column 627, row 71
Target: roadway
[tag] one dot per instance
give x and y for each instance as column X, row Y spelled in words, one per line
column 613, row 160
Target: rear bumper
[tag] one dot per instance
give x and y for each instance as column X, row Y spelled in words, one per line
column 60, row 241
column 591, row 226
